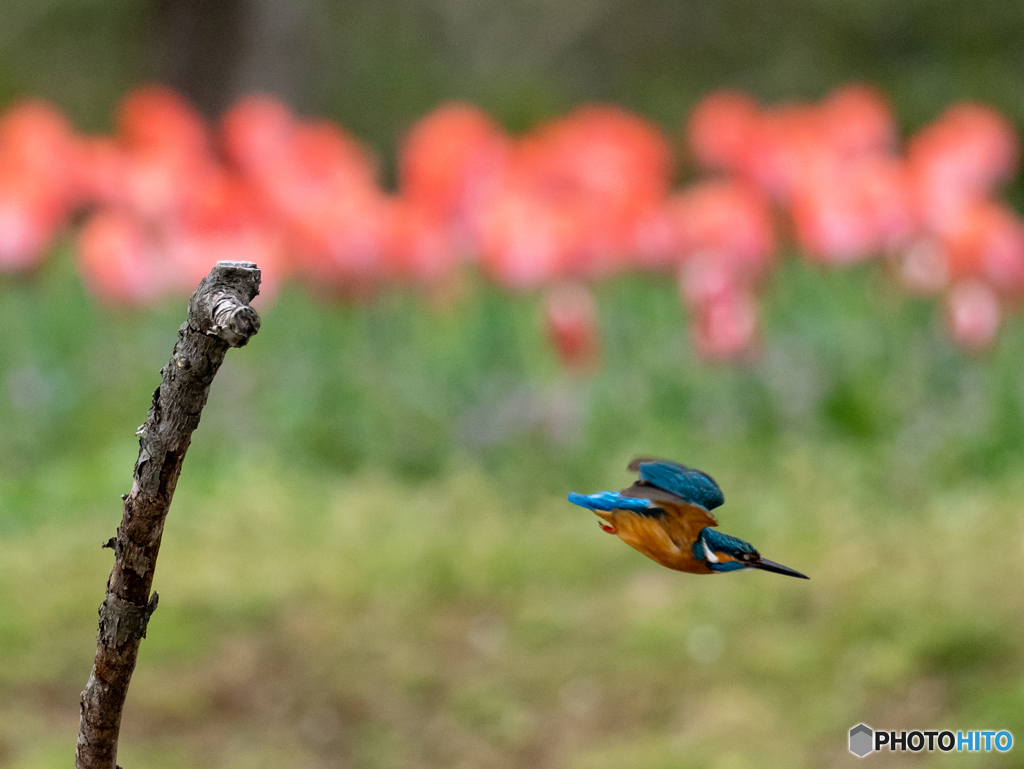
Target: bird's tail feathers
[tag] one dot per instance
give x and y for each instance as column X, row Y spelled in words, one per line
column 608, row 500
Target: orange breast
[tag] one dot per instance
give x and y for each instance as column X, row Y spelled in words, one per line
column 650, row 537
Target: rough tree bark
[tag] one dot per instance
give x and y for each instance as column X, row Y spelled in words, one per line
column 219, row 317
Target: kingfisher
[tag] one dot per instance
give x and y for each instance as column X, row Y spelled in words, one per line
column 666, row 515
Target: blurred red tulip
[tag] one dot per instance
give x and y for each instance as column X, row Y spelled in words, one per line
column 156, row 118
column 857, row 121
column 786, row 145
column 191, row 254
column 705, row 277
column 885, row 189
column 973, row 315
column 720, row 129
column 725, row 328
column 655, row 240
column 36, row 188
column 602, row 154
column 422, row 247
column 256, row 133
column 600, row 170
column 831, row 225
column 117, row 263
column 723, row 309
column 924, row 266
column 526, row 242
column 321, row 153
column 100, row 171
column 300, row 167
column 580, row 197
column 157, row 186
column 450, row 166
column 959, row 159
column 166, row 153
column 29, row 219
column 319, row 166
column 730, row 221
column 224, row 220
column 571, row 321
column 344, row 248
column 852, row 211
column 986, row 241
column 37, row 140
column 319, row 183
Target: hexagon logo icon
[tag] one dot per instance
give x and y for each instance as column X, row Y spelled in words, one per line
column 861, row 739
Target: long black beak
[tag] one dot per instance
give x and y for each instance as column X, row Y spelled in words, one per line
column 765, row 565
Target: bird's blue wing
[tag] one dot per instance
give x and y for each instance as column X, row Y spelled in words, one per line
column 609, row 500
column 688, row 484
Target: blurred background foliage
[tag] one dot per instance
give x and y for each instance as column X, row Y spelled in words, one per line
column 370, row 562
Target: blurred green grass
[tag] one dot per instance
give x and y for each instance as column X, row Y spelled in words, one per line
column 370, row 561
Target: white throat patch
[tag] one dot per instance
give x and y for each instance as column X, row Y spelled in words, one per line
column 708, row 555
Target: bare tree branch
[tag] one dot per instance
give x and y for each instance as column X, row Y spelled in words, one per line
column 219, row 317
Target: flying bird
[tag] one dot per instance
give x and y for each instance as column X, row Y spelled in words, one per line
column 666, row 515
